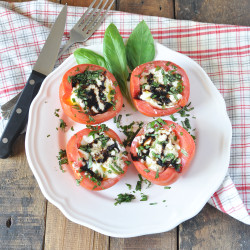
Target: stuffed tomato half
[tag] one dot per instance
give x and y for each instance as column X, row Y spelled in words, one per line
column 89, row 94
column 97, row 157
column 162, row 151
column 159, row 88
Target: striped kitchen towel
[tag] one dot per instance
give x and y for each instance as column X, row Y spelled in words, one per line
column 223, row 51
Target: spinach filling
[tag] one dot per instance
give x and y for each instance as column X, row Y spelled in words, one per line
column 92, row 94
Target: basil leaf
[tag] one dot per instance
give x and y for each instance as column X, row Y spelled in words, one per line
column 115, row 56
column 140, row 46
column 88, row 56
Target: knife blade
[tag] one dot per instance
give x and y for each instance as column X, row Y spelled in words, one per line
column 43, row 66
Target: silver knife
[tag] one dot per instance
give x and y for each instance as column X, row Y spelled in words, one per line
column 43, row 66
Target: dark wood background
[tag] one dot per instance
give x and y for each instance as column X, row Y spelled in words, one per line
column 29, row 221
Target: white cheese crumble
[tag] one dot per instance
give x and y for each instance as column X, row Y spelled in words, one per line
column 167, row 137
column 146, row 94
column 103, row 169
column 108, row 84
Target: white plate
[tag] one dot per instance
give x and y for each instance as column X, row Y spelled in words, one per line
column 96, row 210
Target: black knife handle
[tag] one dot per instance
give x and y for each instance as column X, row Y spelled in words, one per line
column 19, row 116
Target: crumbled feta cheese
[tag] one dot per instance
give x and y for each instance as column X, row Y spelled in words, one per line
column 163, row 137
column 103, row 169
column 147, row 94
column 108, row 84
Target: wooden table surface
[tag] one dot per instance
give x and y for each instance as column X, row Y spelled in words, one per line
column 29, row 221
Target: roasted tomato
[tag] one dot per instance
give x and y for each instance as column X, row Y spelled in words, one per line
column 159, row 88
column 97, row 157
column 162, row 151
column 89, row 94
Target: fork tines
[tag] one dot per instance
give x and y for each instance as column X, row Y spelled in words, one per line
column 92, row 17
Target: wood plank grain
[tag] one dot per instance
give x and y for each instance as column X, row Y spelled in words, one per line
column 63, row 234
column 163, row 8
column 162, row 241
column 214, row 11
column 22, row 206
column 212, row 229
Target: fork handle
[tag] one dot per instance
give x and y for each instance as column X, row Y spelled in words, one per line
column 65, row 47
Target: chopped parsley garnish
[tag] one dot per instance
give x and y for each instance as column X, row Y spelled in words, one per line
column 70, row 78
column 62, row 158
column 139, row 76
column 138, row 185
column 153, row 203
column 56, row 112
column 173, row 118
column 78, row 181
column 63, row 125
column 97, row 130
column 129, row 186
column 157, row 174
column 184, row 152
column 184, row 110
column 130, row 130
column 144, row 197
column 186, row 124
column 124, row 198
column 91, row 119
column 156, row 124
column 166, row 187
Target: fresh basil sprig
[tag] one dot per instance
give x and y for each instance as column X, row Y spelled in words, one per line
column 139, row 49
column 88, row 56
column 114, row 53
column 140, row 46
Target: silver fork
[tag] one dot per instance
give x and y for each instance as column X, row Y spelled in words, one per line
column 83, row 29
column 87, row 25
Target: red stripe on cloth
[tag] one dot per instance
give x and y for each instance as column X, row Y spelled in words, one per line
column 179, row 31
column 215, row 50
column 196, row 34
column 242, row 146
column 219, row 202
column 240, row 187
column 190, row 29
column 16, row 45
column 220, row 55
column 236, row 208
column 9, row 90
column 226, row 188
